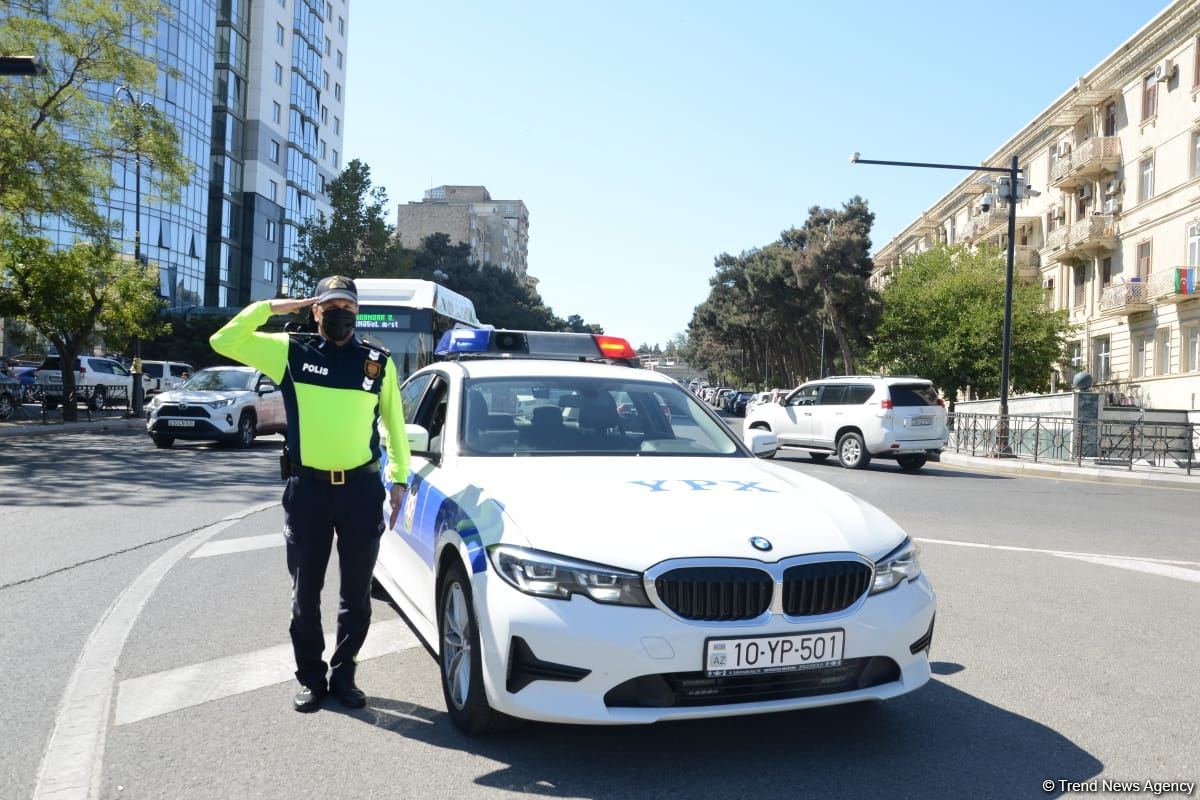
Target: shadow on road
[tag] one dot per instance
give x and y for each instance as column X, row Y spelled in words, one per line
column 125, row 469
column 936, row 743
column 886, row 465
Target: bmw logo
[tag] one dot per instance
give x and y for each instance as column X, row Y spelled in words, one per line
column 759, row 543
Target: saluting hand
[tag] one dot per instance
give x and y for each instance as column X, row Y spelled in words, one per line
column 397, row 501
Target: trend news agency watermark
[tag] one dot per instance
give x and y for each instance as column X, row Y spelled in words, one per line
column 1109, row 785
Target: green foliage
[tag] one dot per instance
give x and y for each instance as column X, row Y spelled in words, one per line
column 186, row 340
column 762, row 320
column 943, row 319
column 69, row 294
column 58, row 135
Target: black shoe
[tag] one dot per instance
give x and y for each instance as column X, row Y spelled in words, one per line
column 348, row 694
column 308, row 700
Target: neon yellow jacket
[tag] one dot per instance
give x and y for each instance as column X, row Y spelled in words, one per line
column 334, row 396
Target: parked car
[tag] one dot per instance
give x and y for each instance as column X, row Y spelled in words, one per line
column 229, row 404
column 98, row 376
column 727, row 398
column 859, row 417
column 10, row 396
column 163, row 376
column 741, row 402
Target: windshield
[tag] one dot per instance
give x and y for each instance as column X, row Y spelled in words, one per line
column 220, row 380
column 587, row 416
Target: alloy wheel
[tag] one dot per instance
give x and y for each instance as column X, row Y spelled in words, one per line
column 456, row 645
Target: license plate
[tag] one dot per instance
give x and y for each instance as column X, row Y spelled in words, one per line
column 181, row 423
column 52, row 379
column 757, row 655
column 919, row 421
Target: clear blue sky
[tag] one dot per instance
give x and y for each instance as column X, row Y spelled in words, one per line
column 647, row 137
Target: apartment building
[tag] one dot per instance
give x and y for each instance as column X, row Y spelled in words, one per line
column 1114, row 237
column 496, row 230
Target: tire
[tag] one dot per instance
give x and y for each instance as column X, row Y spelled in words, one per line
column 99, row 399
column 819, row 457
column 163, row 442
column 459, row 657
column 911, row 463
column 246, row 430
column 852, row 452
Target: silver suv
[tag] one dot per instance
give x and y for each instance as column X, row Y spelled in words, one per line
column 102, row 380
column 857, row 418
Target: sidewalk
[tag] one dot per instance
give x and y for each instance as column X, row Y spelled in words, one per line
column 1141, row 475
column 32, row 425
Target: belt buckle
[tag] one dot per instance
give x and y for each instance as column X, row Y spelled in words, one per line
column 337, row 477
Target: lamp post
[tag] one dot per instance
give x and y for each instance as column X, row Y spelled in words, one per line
column 125, row 97
column 1002, row 445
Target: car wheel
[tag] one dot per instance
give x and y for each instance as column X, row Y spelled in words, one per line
column 8, row 406
column 852, row 452
column 99, row 399
column 911, row 463
column 163, row 442
column 460, row 657
column 818, row 457
column 246, row 430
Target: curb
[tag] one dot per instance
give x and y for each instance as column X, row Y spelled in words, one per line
column 1042, row 470
column 19, row 430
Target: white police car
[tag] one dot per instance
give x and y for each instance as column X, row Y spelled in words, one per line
column 545, row 549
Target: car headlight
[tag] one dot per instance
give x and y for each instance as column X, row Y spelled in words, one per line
column 896, row 567
column 548, row 575
column 220, row 403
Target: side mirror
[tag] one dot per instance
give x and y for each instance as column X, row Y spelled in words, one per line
column 264, row 389
column 418, row 438
column 762, row 443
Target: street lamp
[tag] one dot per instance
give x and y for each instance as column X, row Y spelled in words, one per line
column 1002, row 446
column 126, row 97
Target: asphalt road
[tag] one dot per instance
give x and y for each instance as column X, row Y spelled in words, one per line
column 1069, row 655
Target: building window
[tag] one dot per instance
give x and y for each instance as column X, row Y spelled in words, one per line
column 1162, row 352
column 275, row 151
column 339, row 59
column 223, row 296
column 1149, row 97
column 337, row 126
column 268, row 270
column 328, row 46
column 328, row 12
column 341, row 26
column 335, row 158
column 1048, row 293
column 1143, row 259
column 324, row 115
column 322, row 148
column 337, row 91
column 1139, row 356
column 276, row 111
column 1146, row 179
column 325, row 82
column 1076, row 359
column 1196, row 66
column 1079, row 274
column 1191, row 352
column 1106, row 271
column 321, row 183
column 270, row 232
column 1110, row 119
column 1101, row 359
column 1193, row 245
column 278, row 33
column 1196, row 154
column 278, row 74
column 272, row 191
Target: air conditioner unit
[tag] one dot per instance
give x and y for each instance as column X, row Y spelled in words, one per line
column 1064, row 149
column 1085, row 191
column 1163, row 70
column 1058, row 213
column 1112, row 187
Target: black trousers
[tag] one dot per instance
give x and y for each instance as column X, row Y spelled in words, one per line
column 313, row 511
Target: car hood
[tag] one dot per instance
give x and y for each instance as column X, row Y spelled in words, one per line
column 178, row 396
column 635, row 512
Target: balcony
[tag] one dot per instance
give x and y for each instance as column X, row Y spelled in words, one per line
column 1173, row 285
column 1093, row 159
column 1124, row 299
column 1089, row 236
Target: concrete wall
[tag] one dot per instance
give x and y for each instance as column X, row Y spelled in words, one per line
column 1058, row 405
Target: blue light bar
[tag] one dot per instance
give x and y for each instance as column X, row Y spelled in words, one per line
column 464, row 340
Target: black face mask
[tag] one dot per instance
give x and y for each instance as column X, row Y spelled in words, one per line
column 337, row 323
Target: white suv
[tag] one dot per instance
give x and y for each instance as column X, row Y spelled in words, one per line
column 97, row 376
column 163, row 376
column 228, row 404
column 857, row 418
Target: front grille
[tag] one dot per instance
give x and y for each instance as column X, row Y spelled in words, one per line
column 690, row 689
column 824, row 587
column 173, row 410
column 716, row 593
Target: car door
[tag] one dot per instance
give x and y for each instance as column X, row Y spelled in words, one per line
column 829, row 414
column 122, row 379
column 269, row 405
column 794, row 424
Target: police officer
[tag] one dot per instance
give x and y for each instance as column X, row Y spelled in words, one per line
column 335, row 389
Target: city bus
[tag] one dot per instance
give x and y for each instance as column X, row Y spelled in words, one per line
column 408, row 317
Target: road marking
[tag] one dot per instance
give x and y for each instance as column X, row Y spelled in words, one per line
column 71, row 765
column 174, row 689
column 1154, row 566
column 223, row 547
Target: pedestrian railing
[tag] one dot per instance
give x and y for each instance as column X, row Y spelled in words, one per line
column 1052, row 438
column 98, row 401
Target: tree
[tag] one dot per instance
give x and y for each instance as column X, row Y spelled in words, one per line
column 943, row 319
column 68, row 294
column 61, row 131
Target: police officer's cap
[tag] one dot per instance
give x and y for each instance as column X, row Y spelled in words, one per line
column 335, row 287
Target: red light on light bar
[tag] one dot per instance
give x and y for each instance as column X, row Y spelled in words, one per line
column 614, row 347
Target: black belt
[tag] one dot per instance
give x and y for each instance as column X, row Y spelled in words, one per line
column 337, row 477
